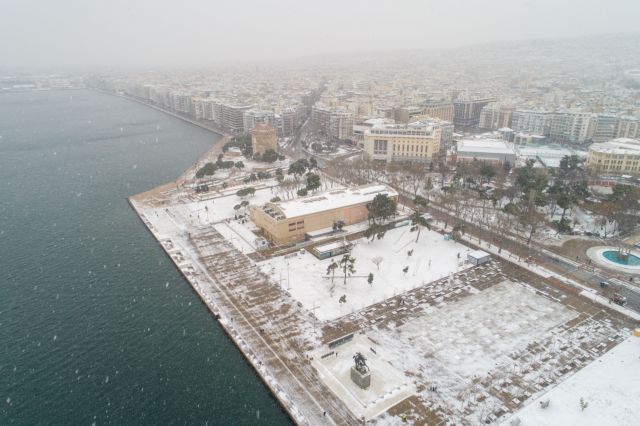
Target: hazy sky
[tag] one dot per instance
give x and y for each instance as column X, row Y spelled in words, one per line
column 184, row 33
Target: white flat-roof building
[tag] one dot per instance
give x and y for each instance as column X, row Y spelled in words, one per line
column 288, row 221
column 491, row 150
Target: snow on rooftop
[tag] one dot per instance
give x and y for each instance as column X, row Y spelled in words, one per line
column 608, row 385
column 478, row 254
column 332, row 200
column 485, row 145
column 375, row 121
column 620, row 146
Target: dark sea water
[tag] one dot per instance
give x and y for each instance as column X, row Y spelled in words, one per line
column 96, row 325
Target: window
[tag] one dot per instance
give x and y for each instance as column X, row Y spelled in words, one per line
column 379, row 147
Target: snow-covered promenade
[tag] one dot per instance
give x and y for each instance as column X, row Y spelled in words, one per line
column 234, row 291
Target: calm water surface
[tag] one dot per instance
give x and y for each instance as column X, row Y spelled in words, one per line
column 96, row 325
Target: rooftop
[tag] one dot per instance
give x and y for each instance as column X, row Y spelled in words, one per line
column 485, row 145
column 328, row 201
column 620, row 146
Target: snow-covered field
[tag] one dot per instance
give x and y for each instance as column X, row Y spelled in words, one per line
column 388, row 385
column 609, row 385
column 306, row 277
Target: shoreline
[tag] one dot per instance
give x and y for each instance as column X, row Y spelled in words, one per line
column 211, row 305
column 189, row 120
column 215, row 311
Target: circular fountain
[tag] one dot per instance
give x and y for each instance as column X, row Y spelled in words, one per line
column 618, row 258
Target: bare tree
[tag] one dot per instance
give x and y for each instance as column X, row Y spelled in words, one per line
column 377, row 261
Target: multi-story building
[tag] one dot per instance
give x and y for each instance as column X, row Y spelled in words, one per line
column 289, row 121
column 407, row 114
column 264, row 138
column 287, row 222
column 628, row 127
column 417, row 141
column 603, row 127
column 529, row 121
column 232, row 117
column 332, row 122
column 466, row 113
column 252, row 117
column 441, row 109
column 495, row 116
column 617, row 156
column 182, row 102
column 341, row 125
column 569, row 126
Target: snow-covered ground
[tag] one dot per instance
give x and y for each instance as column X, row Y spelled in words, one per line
column 306, row 277
column 609, row 385
column 388, row 385
column 477, row 333
column 216, row 209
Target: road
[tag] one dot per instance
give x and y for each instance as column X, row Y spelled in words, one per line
column 585, row 274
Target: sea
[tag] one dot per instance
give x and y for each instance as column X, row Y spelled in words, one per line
column 96, row 325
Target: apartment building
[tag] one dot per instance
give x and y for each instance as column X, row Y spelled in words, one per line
column 182, row 102
column 495, row 116
column 332, row 122
column 252, row 117
column 530, row 121
column 232, row 117
column 441, row 109
column 466, row 113
column 628, row 127
column 603, row 127
column 569, row 126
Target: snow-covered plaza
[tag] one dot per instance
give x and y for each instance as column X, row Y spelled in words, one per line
column 388, row 384
column 305, row 277
column 473, row 336
column 608, row 387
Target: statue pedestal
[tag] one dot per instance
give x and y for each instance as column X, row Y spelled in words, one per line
column 363, row 380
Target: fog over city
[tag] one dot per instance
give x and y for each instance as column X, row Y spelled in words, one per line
column 79, row 34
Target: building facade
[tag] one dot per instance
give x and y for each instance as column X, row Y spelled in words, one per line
column 466, row 113
column 417, row 141
column 264, row 138
column 617, row 156
column 438, row 109
column 495, row 151
column 603, row 128
column 495, row 116
column 529, row 121
column 252, row 117
column 332, row 122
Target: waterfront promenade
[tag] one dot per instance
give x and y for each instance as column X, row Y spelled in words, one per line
column 268, row 327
